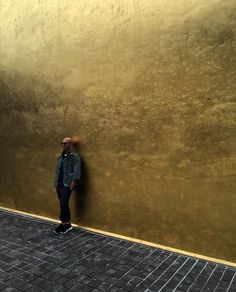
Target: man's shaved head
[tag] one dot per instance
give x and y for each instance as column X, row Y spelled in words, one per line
column 66, row 144
column 67, row 139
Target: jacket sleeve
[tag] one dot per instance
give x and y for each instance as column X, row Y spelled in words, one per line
column 56, row 171
column 77, row 168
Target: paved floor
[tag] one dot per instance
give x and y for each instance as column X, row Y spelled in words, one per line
column 32, row 258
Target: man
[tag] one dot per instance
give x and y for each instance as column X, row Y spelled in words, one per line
column 68, row 171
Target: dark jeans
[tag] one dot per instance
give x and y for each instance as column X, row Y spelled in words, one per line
column 64, row 197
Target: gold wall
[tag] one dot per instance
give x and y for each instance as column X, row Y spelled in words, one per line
column 149, row 86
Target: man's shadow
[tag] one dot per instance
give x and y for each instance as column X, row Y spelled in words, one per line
column 82, row 188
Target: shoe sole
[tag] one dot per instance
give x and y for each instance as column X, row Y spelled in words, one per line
column 67, row 230
column 56, row 232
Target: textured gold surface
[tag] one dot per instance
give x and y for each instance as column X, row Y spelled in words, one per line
column 149, row 86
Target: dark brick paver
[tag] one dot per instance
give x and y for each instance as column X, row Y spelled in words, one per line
column 33, row 258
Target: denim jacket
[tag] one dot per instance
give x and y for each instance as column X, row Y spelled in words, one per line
column 71, row 169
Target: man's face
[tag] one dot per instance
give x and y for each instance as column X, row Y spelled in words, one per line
column 66, row 144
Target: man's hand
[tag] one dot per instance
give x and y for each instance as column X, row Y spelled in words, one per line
column 72, row 185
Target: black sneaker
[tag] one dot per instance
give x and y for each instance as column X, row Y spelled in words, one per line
column 65, row 228
column 58, row 229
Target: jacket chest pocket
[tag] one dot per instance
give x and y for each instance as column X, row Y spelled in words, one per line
column 69, row 166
